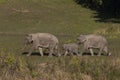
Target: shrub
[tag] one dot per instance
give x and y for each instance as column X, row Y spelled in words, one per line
column 64, row 68
column 12, row 67
column 106, row 6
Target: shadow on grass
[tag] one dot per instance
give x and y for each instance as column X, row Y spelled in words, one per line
column 84, row 54
column 95, row 54
column 38, row 54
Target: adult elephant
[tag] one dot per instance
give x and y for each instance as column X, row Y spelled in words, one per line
column 93, row 41
column 40, row 41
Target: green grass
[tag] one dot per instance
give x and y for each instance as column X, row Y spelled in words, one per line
column 63, row 18
column 3, row 1
column 58, row 17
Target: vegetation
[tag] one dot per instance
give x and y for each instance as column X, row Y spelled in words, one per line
column 65, row 68
column 109, row 6
column 3, row 1
column 66, row 19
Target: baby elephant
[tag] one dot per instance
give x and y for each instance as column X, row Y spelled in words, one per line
column 70, row 48
column 93, row 41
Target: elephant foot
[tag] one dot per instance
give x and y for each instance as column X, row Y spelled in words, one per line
column 109, row 54
column 50, row 55
column 92, row 55
column 79, row 55
column 59, row 55
column 41, row 55
column 98, row 55
column 28, row 55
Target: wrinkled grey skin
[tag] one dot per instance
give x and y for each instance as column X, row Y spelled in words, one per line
column 93, row 41
column 70, row 48
column 40, row 41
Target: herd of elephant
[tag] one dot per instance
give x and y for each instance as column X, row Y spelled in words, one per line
column 40, row 41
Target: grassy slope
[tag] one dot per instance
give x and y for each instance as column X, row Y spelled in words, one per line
column 64, row 18
column 58, row 17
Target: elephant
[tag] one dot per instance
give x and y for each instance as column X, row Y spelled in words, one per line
column 93, row 41
column 70, row 48
column 40, row 41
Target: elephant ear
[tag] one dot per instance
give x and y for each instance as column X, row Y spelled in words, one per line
column 29, row 37
column 83, row 37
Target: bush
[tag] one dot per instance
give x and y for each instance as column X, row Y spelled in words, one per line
column 64, row 68
column 106, row 6
column 12, row 67
column 101, row 68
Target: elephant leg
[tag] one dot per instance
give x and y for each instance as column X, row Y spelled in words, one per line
column 66, row 52
column 51, row 52
column 76, row 52
column 30, row 52
column 106, row 51
column 71, row 53
column 23, row 49
column 91, row 51
column 109, row 54
column 100, row 51
column 81, row 53
column 56, row 51
column 41, row 51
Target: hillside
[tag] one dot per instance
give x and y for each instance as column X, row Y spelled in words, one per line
column 58, row 17
column 64, row 18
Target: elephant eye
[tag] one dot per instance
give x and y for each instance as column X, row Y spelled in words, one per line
column 31, row 42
